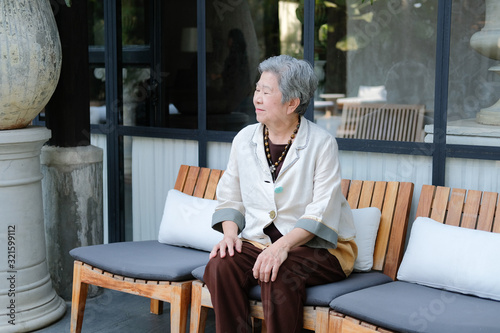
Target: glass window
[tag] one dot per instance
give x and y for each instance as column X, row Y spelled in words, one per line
column 376, row 71
column 137, row 85
column 97, row 94
column 473, row 108
column 97, row 72
column 136, row 109
column 135, row 23
column 136, row 96
column 240, row 34
column 96, row 22
column 180, row 64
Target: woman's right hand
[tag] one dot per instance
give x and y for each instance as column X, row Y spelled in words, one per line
column 229, row 243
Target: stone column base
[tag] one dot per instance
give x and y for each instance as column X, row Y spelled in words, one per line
column 73, row 208
column 28, row 301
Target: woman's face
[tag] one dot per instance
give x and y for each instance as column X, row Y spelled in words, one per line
column 267, row 101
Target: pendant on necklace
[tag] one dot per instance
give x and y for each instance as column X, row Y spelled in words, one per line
column 272, row 168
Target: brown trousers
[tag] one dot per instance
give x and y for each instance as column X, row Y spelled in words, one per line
column 229, row 280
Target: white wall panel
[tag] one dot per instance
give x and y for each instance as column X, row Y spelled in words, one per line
column 155, row 164
column 99, row 140
column 218, row 155
column 482, row 175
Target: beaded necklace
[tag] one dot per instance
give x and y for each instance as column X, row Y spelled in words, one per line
column 274, row 165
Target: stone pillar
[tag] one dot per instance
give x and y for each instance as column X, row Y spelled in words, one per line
column 73, row 205
column 27, row 298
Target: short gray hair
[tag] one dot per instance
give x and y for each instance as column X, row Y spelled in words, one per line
column 296, row 79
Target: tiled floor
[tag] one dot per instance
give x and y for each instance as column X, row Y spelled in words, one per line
column 117, row 312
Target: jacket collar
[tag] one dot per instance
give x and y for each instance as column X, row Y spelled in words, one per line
column 300, row 142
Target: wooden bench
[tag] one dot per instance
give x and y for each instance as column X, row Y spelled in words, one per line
column 394, row 201
column 382, row 122
column 457, row 207
column 199, row 182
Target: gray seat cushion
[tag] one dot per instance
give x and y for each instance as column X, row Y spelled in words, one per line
column 322, row 295
column 198, row 272
column 408, row 307
column 148, row 260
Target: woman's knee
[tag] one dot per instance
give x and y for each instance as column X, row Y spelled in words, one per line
column 220, row 266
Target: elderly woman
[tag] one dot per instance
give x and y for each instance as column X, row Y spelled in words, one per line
column 285, row 221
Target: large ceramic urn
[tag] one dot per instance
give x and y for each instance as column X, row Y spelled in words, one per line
column 486, row 42
column 30, row 60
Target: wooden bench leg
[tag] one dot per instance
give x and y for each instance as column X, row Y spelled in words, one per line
column 179, row 307
column 156, row 306
column 322, row 320
column 78, row 300
column 335, row 322
column 198, row 312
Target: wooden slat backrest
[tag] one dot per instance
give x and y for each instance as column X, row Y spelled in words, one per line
column 394, row 201
column 379, row 195
column 496, row 223
column 425, row 201
column 471, row 209
column 392, row 198
column 487, row 213
column 467, row 209
column 354, row 193
column 397, row 238
column 440, row 205
column 386, row 224
column 201, row 183
column 196, row 181
column 365, row 199
column 191, row 180
column 181, row 178
column 212, row 184
column 455, row 207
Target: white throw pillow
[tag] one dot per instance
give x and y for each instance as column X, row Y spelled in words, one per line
column 452, row 258
column 366, row 221
column 187, row 221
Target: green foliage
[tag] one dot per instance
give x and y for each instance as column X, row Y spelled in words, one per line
column 68, row 3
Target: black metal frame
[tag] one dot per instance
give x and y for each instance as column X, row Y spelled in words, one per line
column 114, row 105
column 114, row 56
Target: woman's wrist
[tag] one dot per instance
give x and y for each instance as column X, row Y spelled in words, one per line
column 295, row 238
column 230, row 228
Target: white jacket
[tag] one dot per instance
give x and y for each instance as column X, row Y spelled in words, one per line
column 306, row 194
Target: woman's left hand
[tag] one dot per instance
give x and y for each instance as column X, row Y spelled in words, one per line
column 269, row 261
